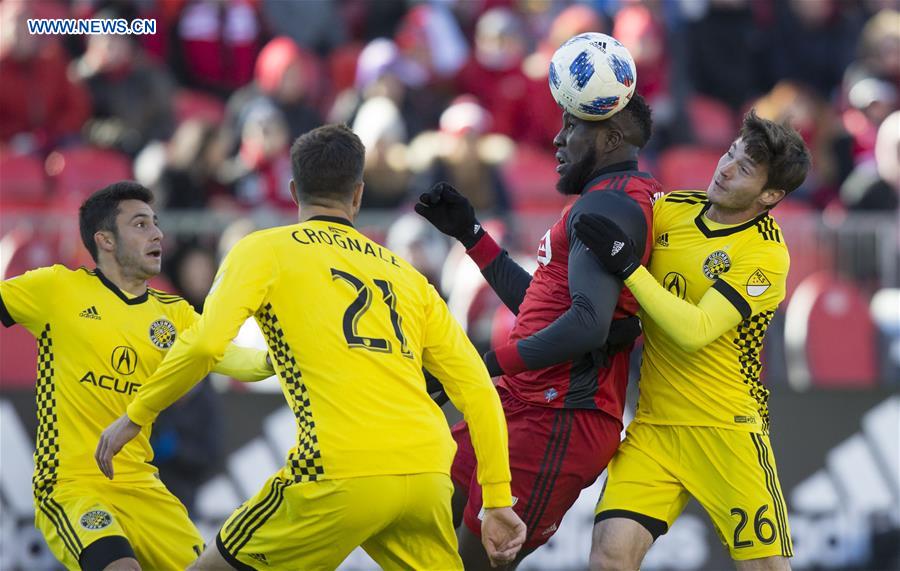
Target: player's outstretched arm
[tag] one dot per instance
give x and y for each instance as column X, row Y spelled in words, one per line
column 452, row 213
column 245, row 364
column 449, row 355
column 502, row 534
column 691, row 326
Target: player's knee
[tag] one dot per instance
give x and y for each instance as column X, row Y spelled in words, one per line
column 605, row 557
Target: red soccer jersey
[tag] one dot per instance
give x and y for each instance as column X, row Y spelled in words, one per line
column 580, row 383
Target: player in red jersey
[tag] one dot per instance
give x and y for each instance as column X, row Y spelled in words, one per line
column 561, row 383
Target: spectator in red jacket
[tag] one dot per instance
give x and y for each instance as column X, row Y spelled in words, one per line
column 494, row 71
column 216, row 44
column 40, row 106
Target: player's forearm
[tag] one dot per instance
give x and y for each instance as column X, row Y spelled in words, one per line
column 507, row 278
column 190, row 359
column 691, row 326
column 457, row 364
column 244, row 364
column 483, row 412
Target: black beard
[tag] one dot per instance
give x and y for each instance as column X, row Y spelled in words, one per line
column 578, row 175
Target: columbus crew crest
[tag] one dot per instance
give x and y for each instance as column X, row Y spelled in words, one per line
column 162, row 333
column 716, row 263
column 95, row 519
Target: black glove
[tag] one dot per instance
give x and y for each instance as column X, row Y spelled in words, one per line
column 451, row 213
column 608, row 243
column 622, row 333
column 435, row 389
column 493, row 366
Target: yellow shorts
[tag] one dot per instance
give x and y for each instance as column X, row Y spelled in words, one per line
column 76, row 515
column 731, row 474
column 403, row 522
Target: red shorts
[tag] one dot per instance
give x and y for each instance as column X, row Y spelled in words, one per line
column 554, row 453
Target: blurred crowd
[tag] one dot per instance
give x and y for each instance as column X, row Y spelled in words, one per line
column 204, row 111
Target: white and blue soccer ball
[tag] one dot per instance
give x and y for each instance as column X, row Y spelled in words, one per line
column 592, row 76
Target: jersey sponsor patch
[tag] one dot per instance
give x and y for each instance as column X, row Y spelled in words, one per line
column 544, row 252
column 715, row 264
column 758, row 283
column 676, row 283
column 95, row 519
column 162, row 333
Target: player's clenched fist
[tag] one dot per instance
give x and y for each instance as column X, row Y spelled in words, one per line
column 451, row 213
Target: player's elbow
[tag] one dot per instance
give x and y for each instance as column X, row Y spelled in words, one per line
column 691, row 344
column 206, row 349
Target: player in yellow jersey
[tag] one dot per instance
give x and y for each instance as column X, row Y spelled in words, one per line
column 101, row 333
column 350, row 327
column 716, row 276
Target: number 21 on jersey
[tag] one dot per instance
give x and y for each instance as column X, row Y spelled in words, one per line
column 360, row 305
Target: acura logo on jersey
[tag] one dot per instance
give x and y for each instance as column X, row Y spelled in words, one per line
column 716, row 263
column 162, row 333
column 108, row 383
column 124, row 360
column 675, row 283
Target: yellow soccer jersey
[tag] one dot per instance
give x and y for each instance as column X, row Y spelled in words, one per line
column 717, row 385
column 96, row 347
column 349, row 326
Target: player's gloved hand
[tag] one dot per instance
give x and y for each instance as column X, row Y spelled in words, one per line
column 435, row 389
column 622, row 333
column 451, row 213
column 502, row 534
column 608, row 243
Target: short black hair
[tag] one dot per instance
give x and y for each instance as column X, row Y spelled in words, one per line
column 640, row 113
column 99, row 211
column 327, row 162
column 779, row 148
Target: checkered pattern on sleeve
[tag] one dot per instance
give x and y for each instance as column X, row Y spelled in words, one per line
column 46, row 454
column 749, row 340
column 304, row 460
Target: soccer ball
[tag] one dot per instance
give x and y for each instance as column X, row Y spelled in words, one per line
column 592, row 76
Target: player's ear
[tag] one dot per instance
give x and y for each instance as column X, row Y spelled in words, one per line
column 105, row 240
column 610, row 136
column 769, row 197
column 357, row 196
column 294, row 196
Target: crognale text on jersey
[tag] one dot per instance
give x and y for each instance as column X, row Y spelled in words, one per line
column 338, row 237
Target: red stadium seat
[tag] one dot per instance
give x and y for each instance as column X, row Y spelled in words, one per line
column 22, row 182
column 24, row 249
column 714, row 123
column 687, row 167
column 830, row 337
column 18, row 358
column 191, row 104
column 78, row 172
column 342, row 66
column 530, row 175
